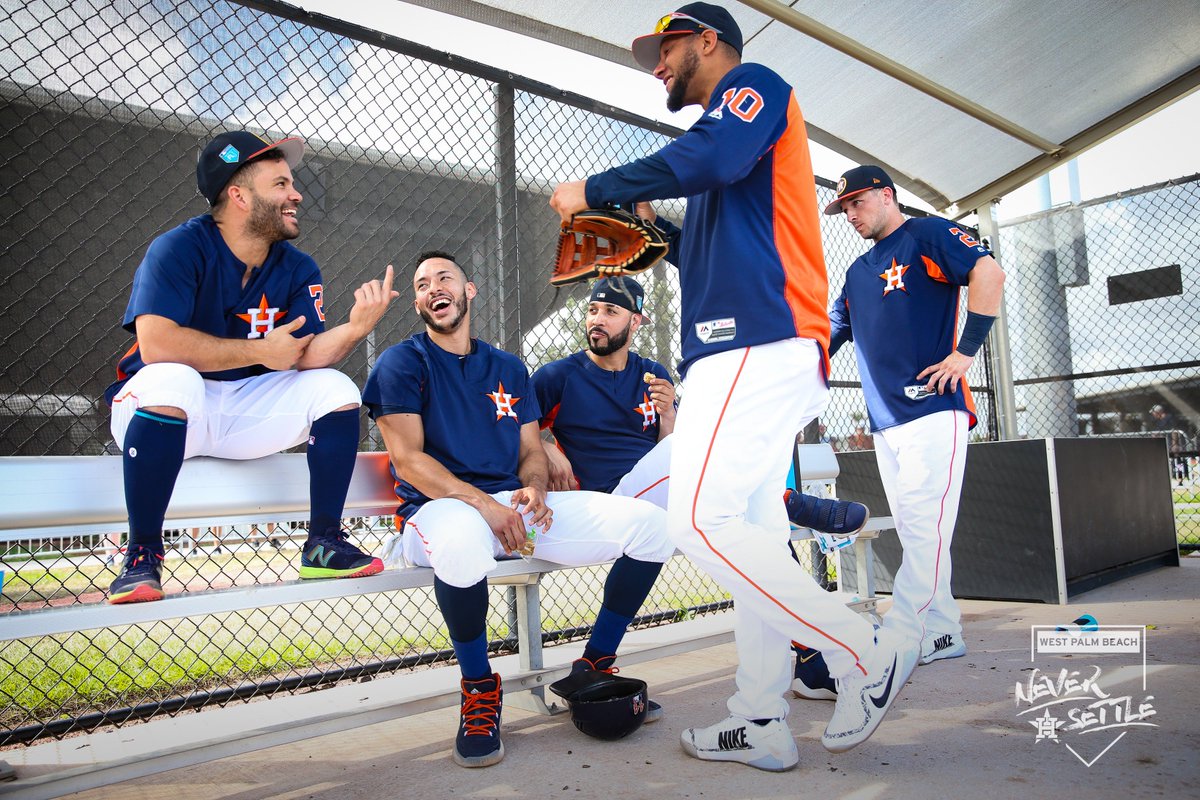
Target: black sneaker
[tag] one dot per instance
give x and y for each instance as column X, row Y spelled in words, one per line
column 839, row 517
column 140, row 580
column 478, row 743
column 654, row 711
column 330, row 555
column 811, row 680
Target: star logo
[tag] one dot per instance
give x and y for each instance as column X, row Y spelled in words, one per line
column 262, row 319
column 504, row 402
column 647, row 410
column 893, row 278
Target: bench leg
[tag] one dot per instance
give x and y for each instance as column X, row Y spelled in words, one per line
column 529, row 644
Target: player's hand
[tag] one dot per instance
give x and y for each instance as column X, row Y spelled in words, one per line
column 645, row 210
column 530, row 501
column 281, row 350
column 371, row 300
column 569, row 199
column 662, row 394
column 506, row 523
column 562, row 474
column 949, row 370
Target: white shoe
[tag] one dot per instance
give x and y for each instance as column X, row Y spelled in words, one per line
column 937, row 646
column 769, row 747
column 863, row 700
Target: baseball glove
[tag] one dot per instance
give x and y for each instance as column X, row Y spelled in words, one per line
column 601, row 243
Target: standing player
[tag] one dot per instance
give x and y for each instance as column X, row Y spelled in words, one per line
column 754, row 334
column 231, row 355
column 900, row 308
column 460, row 422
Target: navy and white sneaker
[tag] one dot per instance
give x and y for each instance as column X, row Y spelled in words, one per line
column 937, row 646
column 839, row 517
column 811, row 679
column 864, row 700
column 478, row 742
column 140, row 580
column 769, row 746
column 330, row 555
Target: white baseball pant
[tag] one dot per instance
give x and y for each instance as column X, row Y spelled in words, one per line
column 589, row 528
column 921, row 463
column 650, row 478
column 243, row 419
column 731, row 452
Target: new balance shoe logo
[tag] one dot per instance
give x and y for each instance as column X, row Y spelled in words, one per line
column 881, row 700
column 320, row 555
column 942, row 642
column 733, row 740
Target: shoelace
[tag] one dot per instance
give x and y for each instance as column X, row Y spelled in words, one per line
column 139, row 556
column 609, row 670
column 479, row 712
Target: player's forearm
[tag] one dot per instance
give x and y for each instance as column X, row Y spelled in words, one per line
column 649, row 178
column 330, row 347
column 429, row 477
column 666, row 425
column 198, row 350
column 534, row 469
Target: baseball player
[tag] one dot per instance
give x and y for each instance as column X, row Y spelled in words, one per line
column 231, row 358
column 899, row 306
column 754, row 337
column 460, row 422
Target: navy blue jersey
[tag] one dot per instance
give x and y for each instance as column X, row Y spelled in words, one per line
column 472, row 408
column 604, row 421
column 900, row 303
column 190, row 276
column 751, row 266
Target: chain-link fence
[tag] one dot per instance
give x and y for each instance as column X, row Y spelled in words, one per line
column 1104, row 312
column 104, row 107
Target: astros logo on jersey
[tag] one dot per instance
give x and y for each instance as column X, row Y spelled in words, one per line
column 504, row 402
column 893, row 278
column 262, row 319
column 648, row 411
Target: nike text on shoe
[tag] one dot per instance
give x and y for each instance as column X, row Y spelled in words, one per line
column 478, row 742
column 938, row 646
column 330, row 555
column 140, row 580
column 767, row 747
column 654, row 711
column 863, row 700
column 840, row 517
column 811, row 680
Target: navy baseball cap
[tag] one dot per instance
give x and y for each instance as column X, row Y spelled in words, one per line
column 621, row 291
column 857, row 181
column 692, row 18
column 231, row 151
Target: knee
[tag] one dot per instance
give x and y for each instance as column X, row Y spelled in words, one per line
column 331, row 391
column 174, row 390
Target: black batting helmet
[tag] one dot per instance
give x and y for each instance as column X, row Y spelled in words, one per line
column 606, row 706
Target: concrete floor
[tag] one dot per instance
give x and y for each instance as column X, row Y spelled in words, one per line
column 954, row 733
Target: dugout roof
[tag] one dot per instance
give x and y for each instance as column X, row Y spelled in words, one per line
column 962, row 100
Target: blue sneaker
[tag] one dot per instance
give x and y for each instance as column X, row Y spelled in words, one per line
column 330, row 555
column 839, row 517
column 140, row 580
column 654, row 711
column 812, row 681
column 478, row 743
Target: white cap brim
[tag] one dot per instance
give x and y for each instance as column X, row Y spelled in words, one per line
column 646, row 48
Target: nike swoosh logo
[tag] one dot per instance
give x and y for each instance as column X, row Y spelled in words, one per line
column 811, row 656
column 881, row 701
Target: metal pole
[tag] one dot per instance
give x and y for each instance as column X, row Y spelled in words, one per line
column 1001, row 350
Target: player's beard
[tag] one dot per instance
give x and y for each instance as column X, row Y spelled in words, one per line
column 679, row 86
column 266, row 221
column 461, row 304
column 615, row 341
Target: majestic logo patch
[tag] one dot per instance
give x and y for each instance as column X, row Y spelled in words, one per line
column 647, row 410
column 262, row 319
column 918, row 392
column 504, row 402
column 893, row 278
column 716, row 330
column 229, row 155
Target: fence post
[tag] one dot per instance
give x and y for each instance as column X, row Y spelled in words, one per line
column 1001, row 351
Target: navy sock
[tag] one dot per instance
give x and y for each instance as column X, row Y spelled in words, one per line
column 629, row 581
column 607, row 634
column 465, row 612
column 152, row 458
column 332, row 449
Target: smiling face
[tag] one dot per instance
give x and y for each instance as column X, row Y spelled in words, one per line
column 270, row 192
column 442, row 294
column 678, row 62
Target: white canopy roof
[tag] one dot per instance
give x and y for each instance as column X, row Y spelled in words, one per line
column 961, row 101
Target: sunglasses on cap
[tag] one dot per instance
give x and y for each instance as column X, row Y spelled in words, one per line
column 674, row 15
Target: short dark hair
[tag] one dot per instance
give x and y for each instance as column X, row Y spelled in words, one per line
column 243, row 174
column 428, row 254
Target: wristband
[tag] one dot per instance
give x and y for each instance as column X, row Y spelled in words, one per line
column 975, row 331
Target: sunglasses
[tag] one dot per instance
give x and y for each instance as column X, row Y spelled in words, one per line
column 665, row 22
